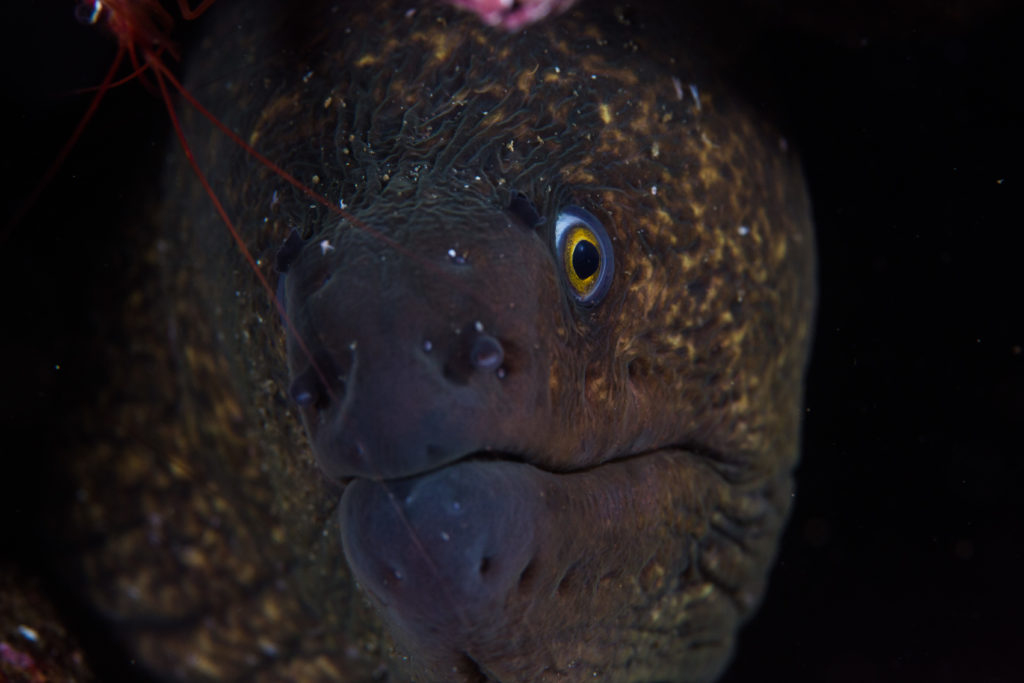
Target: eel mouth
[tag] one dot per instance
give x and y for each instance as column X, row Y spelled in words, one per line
column 493, row 560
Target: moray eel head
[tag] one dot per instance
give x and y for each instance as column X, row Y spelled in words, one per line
column 513, row 488
column 561, row 386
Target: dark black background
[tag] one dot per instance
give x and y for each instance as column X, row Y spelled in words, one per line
column 903, row 558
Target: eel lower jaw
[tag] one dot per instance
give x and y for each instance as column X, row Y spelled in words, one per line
column 459, row 559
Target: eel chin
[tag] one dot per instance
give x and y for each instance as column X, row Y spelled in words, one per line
column 498, row 570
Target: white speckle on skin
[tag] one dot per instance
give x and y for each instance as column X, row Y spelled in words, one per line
column 342, row 204
column 456, row 257
column 427, row 345
column 744, row 230
column 678, row 85
column 478, row 326
column 696, row 95
column 308, row 75
column 325, row 246
column 445, row 536
column 654, row 190
column 28, row 633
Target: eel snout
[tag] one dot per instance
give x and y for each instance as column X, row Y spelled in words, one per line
column 414, row 359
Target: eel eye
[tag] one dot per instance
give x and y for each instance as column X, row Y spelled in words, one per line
column 585, row 253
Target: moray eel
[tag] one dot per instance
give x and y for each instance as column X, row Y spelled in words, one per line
column 548, row 358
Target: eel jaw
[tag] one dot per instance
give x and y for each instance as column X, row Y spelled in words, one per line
column 501, row 570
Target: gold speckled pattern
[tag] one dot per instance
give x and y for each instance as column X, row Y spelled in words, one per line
column 205, row 529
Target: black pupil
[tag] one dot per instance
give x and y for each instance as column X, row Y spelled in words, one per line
column 585, row 259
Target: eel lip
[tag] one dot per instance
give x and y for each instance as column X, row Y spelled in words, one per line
column 440, row 552
column 495, row 559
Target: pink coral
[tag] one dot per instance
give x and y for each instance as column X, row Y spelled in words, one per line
column 513, row 14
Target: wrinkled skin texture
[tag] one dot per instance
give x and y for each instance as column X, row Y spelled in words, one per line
column 608, row 504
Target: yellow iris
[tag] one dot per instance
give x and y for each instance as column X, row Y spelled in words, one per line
column 581, row 258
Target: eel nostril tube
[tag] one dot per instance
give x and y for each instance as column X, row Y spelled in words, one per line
column 486, row 353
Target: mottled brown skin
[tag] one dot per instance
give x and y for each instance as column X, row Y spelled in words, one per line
column 647, row 441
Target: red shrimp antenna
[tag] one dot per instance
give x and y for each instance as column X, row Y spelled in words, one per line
column 136, row 25
column 141, row 29
column 163, row 75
